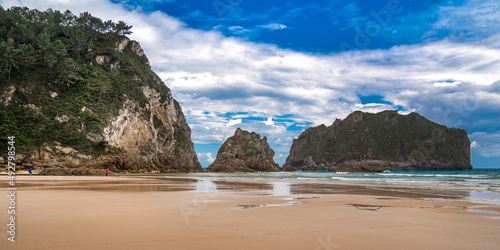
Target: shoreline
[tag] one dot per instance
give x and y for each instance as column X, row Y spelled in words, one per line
column 115, row 212
column 296, row 186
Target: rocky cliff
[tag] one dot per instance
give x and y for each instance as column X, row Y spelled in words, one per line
column 385, row 140
column 95, row 104
column 244, row 152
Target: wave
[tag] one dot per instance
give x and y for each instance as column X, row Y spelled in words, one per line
column 472, row 176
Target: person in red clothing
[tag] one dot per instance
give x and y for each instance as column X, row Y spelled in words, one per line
column 106, row 172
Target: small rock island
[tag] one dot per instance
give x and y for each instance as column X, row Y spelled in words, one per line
column 244, row 152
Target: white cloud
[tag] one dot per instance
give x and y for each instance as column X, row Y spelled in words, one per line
column 269, row 121
column 216, row 78
column 241, row 31
column 233, row 122
column 490, row 143
column 274, row 26
column 206, row 156
column 372, row 107
column 473, row 15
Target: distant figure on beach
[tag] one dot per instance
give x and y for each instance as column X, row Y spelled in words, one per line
column 29, row 170
column 50, row 173
column 44, row 172
column 72, row 173
column 106, row 172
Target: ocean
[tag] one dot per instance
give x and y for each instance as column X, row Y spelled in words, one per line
column 477, row 185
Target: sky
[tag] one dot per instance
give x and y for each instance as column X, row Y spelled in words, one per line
column 279, row 67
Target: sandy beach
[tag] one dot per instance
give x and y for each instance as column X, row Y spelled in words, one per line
column 77, row 212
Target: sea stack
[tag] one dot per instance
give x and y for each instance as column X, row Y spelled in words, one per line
column 375, row 142
column 244, row 152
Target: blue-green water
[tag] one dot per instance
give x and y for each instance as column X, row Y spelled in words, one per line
column 482, row 185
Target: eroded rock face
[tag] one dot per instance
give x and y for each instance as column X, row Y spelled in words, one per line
column 156, row 135
column 149, row 132
column 244, row 152
column 386, row 140
column 7, row 96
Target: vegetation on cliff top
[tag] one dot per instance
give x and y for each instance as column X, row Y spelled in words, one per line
column 49, row 73
column 383, row 136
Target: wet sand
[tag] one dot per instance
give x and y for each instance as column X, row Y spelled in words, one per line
column 76, row 212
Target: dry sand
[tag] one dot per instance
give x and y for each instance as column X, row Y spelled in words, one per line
column 137, row 213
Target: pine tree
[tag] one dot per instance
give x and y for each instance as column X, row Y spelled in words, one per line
column 76, row 41
column 27, row 55
column 122, row 28
column 9, row 55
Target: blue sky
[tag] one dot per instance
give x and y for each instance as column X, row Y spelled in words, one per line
column 278, row 67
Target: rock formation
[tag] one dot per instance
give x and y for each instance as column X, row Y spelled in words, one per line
column 244, row 152
column 95, row 104
column 375, row 142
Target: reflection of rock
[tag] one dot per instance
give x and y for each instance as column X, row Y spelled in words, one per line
column 205, row 185
column 281, row 188
column 374, row 142
column 244, row 152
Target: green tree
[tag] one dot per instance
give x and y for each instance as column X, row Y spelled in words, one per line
column 77, row 41
column 9, row 55
column 58, row 49
column 27, row 55
column 122, row 28
column 43, row 44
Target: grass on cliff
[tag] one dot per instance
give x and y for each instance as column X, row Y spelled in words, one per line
column 61, row 93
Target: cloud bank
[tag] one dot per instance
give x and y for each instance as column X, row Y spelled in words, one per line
column 223, row 82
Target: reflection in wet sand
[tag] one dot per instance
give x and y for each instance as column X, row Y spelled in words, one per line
column 281, row 188
column 251, row 206
column 232, row 213
column 265, row 187
column 269, row 205
column 139, row 184
column 206, row 185
column 400, row 192
column 366, row 206
column 242, row 186
column 482, row 211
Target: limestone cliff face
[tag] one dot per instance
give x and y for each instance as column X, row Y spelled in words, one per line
column 244, row 152
column 122, row 117
column 386, row 140
column 155, row 136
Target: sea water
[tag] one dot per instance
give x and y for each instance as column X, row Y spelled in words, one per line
column 482, row 185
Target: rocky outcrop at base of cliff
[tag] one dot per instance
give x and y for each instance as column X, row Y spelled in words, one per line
column 244, row 152
column 366, row 142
